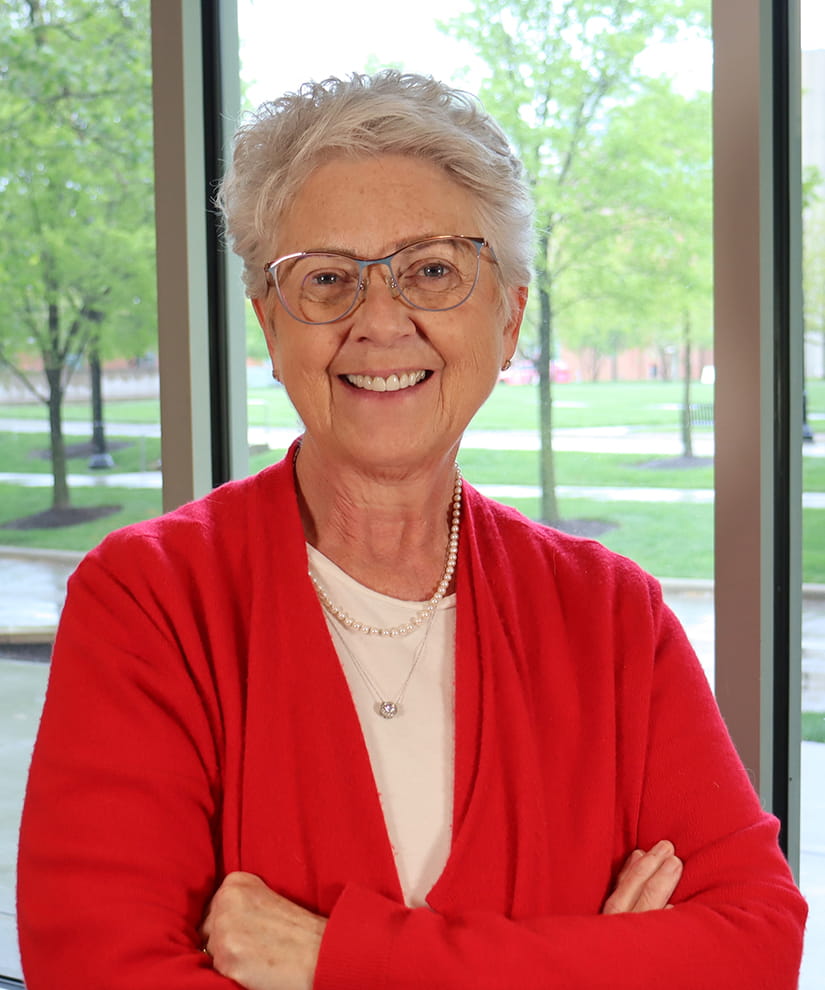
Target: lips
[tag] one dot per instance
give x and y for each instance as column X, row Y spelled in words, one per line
column 392, row 383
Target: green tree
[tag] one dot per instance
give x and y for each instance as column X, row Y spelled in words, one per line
column 564, row 81
column 77, row 255
column 670, row 275
column 814, row 277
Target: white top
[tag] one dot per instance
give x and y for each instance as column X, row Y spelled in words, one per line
column 412, row 754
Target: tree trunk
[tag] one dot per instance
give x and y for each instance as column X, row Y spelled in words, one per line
column 60, row 490
column 100, row 458
column 595, row 364
column 547, row 469
column 687, row 430
column 664, row 364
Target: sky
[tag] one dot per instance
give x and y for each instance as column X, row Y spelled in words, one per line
column 337, row 38
column 813, row 24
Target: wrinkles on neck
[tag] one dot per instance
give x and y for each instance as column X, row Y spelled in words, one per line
column 389, row 533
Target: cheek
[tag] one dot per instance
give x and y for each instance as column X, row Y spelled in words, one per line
column 475, row 365
column 305, row 358
column 485, row 342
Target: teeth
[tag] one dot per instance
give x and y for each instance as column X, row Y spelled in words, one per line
column 392, row 383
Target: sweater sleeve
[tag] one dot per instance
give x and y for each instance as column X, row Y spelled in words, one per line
column 118, row 840
column 738, row 918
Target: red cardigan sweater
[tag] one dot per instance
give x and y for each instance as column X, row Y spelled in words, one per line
column 197, row 721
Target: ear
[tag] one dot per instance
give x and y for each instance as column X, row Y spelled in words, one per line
column 517, row 298
column 266, row 323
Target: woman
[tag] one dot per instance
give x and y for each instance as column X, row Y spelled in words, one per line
column 347, row 723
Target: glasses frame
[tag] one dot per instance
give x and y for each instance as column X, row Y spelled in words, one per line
column 270, row 272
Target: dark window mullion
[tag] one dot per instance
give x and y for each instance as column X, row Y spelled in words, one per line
column 213, row 117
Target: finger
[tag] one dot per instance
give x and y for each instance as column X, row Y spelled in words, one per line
column 632, row 891
column 660, row 886
column 636, row 855
column 638, row 867
column 224, row 895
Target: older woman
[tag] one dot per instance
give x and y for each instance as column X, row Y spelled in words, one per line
column 348, row 724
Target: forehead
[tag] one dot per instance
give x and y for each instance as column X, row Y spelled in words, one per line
column 371, row 206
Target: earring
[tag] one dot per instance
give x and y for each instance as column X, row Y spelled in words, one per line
column 506, row 364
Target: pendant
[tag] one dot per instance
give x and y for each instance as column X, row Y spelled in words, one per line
column 387, row 709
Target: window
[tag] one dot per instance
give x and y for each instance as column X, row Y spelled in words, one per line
column 204, row 415
column 812, row 875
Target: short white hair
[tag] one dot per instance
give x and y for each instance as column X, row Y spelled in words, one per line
column 387, row 113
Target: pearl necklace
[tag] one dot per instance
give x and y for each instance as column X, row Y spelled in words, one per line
column 427, row 612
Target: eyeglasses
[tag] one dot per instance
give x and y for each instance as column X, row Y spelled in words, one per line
column 435, row 274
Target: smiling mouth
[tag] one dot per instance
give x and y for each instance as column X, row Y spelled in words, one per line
column 392, row 383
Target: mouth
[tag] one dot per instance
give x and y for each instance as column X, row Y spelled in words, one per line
column 392, row 383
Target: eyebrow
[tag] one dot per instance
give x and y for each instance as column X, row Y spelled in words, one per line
column 352, row 253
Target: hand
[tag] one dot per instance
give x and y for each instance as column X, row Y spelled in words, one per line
column 259, row 938
column 646, row 882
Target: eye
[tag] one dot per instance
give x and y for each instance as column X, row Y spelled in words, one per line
column 326, row 281
column 324, row 278
column 428, row 270
column 434, row 270
column 430, row 275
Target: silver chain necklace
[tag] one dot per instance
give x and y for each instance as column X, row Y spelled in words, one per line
column 427, row 612
column 385, row 707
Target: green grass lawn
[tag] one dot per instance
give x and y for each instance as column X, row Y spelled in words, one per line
column 120, row 410
column 521, row 467
column 813, row 726
column 17, row 502
column 28, row 453
column 650, row 404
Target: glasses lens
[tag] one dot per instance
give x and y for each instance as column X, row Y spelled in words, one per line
column 317, row 288
column 437, row 274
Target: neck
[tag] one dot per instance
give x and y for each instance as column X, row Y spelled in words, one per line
column 388, row 530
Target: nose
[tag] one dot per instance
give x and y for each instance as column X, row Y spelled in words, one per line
column 380, row 315
column 385, row 275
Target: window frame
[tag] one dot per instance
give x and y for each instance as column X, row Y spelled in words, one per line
column 201, row 352
column 758, row 356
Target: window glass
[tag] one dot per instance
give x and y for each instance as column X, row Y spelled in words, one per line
column 615, row 365
column 79, row 414
column 812, row 866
